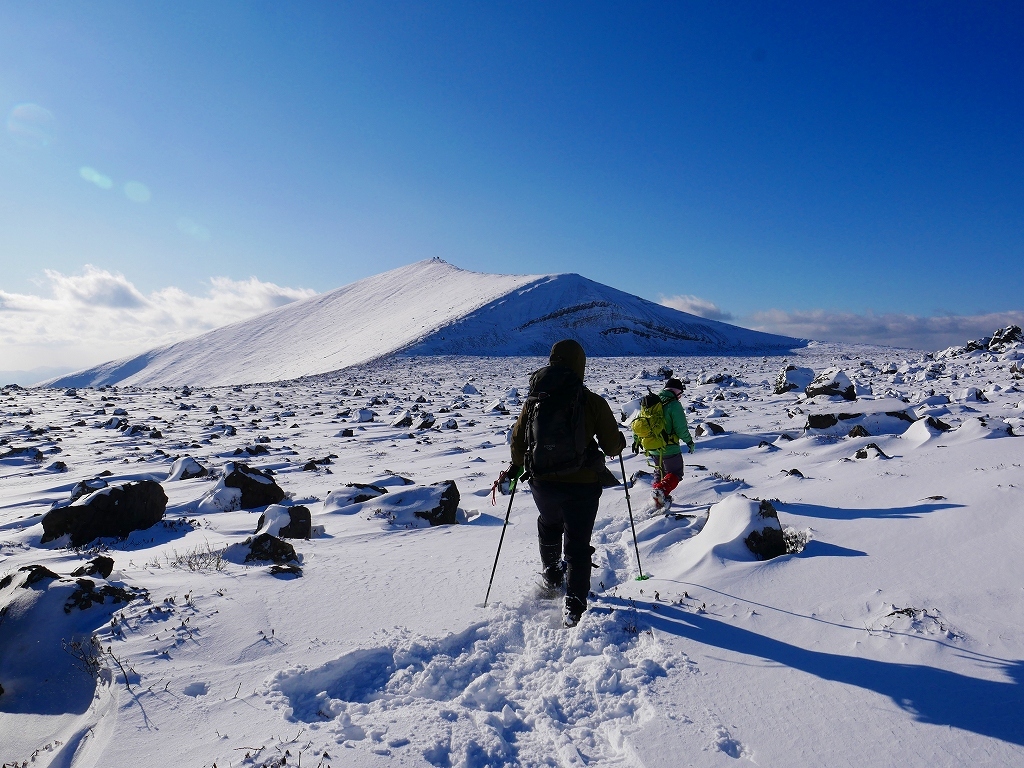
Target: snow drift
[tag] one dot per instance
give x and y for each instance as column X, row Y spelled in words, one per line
column 427, row 308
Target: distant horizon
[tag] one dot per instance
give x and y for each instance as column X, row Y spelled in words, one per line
column 98, row 282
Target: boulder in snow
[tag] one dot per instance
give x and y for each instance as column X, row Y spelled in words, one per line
column 791, row 377
column 185, row 468
column 402, row 420
column 832, row 383
column 267, row 547
column 258, row 489
column 768, row 541
column 112, row 511
column 285, row 522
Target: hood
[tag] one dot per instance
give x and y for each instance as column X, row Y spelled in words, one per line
column 570, row 354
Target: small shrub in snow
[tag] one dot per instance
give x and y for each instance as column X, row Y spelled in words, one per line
column 203, row 558
column 795, row 539
column 87, row 653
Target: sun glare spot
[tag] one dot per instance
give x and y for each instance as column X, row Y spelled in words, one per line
column 31, row 125
column 95, row 177
column 137, row 192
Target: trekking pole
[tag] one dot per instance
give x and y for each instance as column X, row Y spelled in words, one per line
column 512, row 495
column 629, row 506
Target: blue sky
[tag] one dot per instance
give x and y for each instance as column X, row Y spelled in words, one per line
column 858, row 166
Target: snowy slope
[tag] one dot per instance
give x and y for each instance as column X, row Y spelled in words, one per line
column 430, row 308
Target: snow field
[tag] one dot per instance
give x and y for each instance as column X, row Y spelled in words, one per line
column 891, row 639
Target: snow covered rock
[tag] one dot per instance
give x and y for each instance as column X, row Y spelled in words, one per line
column 791, row 377
column 723, row 540
column 971, row 395
column 870, row 451
column 403, row 420
column 186, row 468
column 23, row 455
column 285, row 522
column 832, row 383
column 267, row 547
column 469, row 389
column 425, row 421
column 435, row 504
column 84, row 488
column 99, row 566
column 1004, row 337
column 351, row 494
column 116, row 510
column 257, row 488
column 364, row 415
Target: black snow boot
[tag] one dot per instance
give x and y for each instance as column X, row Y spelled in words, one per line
column 573, row 610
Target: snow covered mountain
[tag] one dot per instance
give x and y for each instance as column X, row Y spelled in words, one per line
column 428, row 308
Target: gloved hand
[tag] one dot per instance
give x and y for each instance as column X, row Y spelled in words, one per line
column 689, row 445
column 510, row 476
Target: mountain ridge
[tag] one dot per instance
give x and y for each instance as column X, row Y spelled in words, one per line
column 426, row 308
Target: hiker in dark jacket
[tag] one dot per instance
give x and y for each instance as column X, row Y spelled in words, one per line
column 568, row 501
column 668, row 461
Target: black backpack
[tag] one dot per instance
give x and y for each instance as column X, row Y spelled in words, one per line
column 556, row 433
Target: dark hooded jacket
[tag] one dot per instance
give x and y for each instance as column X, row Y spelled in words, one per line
column 598, row 419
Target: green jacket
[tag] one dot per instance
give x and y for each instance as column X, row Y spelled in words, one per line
column 675, row 424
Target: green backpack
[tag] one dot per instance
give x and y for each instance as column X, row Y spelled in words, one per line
column 649, row 426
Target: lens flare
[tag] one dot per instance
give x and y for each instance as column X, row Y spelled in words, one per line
column 137, row 192
column 31, row 125
column 95, row 177
column 193, row 229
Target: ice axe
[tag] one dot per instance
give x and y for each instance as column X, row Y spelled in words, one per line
column 629, row 506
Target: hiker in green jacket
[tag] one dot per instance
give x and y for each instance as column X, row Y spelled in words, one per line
column 668, row 461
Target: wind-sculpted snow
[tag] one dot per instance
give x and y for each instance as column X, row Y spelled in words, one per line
column 888, row 635
column 427, row 308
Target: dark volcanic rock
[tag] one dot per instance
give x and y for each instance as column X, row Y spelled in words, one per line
column 258, row 488
column 870, row 450
column 448, row 505
column 86, row 595
column 369, row 492
column 86, row 487
column 821, row 420
column 769, row 541
column 29, row 453
column 1003, row 336
column 267, row 547
column 858, row 431
column 99, row 566
column 114, row 511
column 299, row 525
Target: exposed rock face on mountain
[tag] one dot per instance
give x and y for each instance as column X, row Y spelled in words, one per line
column 428, row 308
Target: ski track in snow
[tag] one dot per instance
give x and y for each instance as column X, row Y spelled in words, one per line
column 381, row 653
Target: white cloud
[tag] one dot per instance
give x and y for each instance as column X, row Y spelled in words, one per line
column 98, row 315
column 897, row 330
column 695, row 305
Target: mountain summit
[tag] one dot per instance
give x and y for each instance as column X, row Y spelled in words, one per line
column 428, row 308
